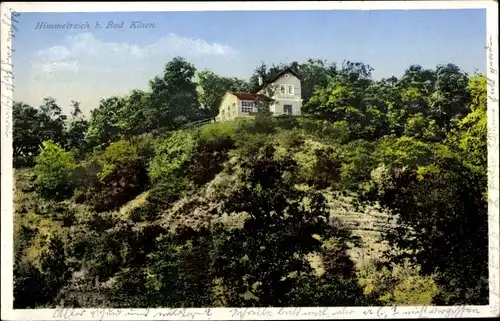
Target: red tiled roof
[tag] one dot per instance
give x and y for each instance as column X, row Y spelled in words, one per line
column 250, row 96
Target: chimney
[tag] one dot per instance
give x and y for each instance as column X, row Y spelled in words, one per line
column 260, row 81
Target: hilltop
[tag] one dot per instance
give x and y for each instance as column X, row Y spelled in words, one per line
column 375, row 196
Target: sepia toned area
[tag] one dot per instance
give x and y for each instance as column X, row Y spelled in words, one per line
column 305, row 183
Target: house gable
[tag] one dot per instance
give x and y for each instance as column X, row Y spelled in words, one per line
column 228, row 108
column 282, row 74
column 287, row 86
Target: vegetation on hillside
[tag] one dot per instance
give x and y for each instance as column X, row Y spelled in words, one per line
column 376, row 196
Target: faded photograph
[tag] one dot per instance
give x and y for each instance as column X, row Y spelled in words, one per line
column 250, row 159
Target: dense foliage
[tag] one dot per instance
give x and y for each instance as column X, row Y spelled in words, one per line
column 376, row 195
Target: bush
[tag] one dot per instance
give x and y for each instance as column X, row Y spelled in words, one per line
column 123, row 175
column 398, row 285
column 218, row 134
column 163, row 193
column 145, row 145
column 325, row 130
column 286, row 122
column 215, row 140
column 319, row 165
column 54, row 171
column 404, row 151
column 171, row 155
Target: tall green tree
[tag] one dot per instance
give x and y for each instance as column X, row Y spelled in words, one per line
column 213, row 88
column 134, row 110
column 174, row 98
column 104, row 124
column 315, row 74
column 26, row 133
column 52, row 121
column 470, row 137
column 450, row 100
column 76, row 129
column 344, row 99
column 257, row 263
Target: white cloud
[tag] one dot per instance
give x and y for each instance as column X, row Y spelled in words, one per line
column 53, row 53
column 87, row 50
column 86, row 69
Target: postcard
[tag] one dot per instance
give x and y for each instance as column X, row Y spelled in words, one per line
column 249, row 160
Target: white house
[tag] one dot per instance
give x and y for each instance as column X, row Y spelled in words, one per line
column 282, row 92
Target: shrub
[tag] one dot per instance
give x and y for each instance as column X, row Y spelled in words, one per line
column 286, row 122
column 404, row 151
column 207, row 163
column 212, row 151
column 398, row 285
column 171, row 155
column 54, row 171
column 163, row 193
column 218, row 134
column 319, row 165
column 145, row 145
column 122, row 177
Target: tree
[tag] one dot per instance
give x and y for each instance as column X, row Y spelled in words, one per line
column 213, row 88
column 54, row 171
column 256, row 264
column 315, row 74
column 104, row 122
column 179, row 273
column 133, row 114
column 344, row 99
column 441, row 216
column 172, row 155
column 470, row 137
column 76, row 129
column 123, row 175
column 174, row 98
column 32, row 126
column 52, row 121
column 450, row 100
column 26, row 134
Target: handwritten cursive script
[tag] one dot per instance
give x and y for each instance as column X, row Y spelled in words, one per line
column 9, row 22
column 491, row 81
column 105, row 314
column 493, row 201
column 387, row 312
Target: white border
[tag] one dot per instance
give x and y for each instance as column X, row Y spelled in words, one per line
column 264, row 313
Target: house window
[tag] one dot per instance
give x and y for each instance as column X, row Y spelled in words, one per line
column 247, row 106
column 287, row 109
column 290, row 90
column 282, row 89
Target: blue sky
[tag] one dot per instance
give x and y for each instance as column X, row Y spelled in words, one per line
column 87, row 65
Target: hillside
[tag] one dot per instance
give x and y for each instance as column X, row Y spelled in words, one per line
column 375, row 196
column 197, row 181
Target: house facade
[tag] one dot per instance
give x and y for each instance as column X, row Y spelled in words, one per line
column 282, row 93
column 285, row 90
column 235, row 104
